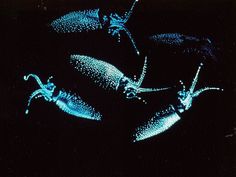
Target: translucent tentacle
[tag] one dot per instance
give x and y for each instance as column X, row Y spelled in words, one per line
column 36, row 78
column 139, row 83
column 51, row 77
column 198, row 92
column 142, row 90
column 129, row 13
column 131, row 39
column 195, row 79
column 144, row 70
column 34, row 94
column 186, row 97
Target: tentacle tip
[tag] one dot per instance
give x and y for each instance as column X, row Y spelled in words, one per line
column 144, row 101
column 134, row 138
column 201, row 64
column 25, row 78
column 221, row 90
column 138, row 53
column 26, row 111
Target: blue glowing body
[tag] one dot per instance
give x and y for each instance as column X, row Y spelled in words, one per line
column 109, row 77
column 69, row 103
column 159, row 123
column 77, row 21
column 186, row 44
column 88, row 20
column 166, row 118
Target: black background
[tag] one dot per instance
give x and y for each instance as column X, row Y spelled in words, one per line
column 49, row 142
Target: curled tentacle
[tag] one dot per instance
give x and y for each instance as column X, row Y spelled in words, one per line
column 46, row 90
column 33, row 95
column 36, row 78
column 198, row 92
column 69, row 103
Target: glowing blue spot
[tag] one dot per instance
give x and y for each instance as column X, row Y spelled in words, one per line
column 78, row 21
column 26, row 111
column 69, row 103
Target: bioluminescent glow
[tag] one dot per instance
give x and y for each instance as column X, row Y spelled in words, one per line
column 77, row 21
column 175, row 39
column 109, row 77
column 69, row 103
column 117, row 24
column 87, row 20
column 164, row 119
column 161, row 121
column 101, row 72
column 186, row 44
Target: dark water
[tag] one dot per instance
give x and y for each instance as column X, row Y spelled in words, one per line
column 49, row 142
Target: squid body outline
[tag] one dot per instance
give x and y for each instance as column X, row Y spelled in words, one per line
column 166, row 118
column 186, row 44
column 67, row 102
column 88, row 20
column 109, row 77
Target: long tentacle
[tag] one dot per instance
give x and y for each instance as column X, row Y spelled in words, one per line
column 131, row 39
column 144, row 70
column 34, row 94
column 198, row 92
column 142, row 90
column 36, row 78
column 51, row 77
column 129, row 13
column 195, row 79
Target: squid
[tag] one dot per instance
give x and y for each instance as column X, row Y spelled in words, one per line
column 67, row 102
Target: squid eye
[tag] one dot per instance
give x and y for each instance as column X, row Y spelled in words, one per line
column 50, row 86
column 182, row 94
